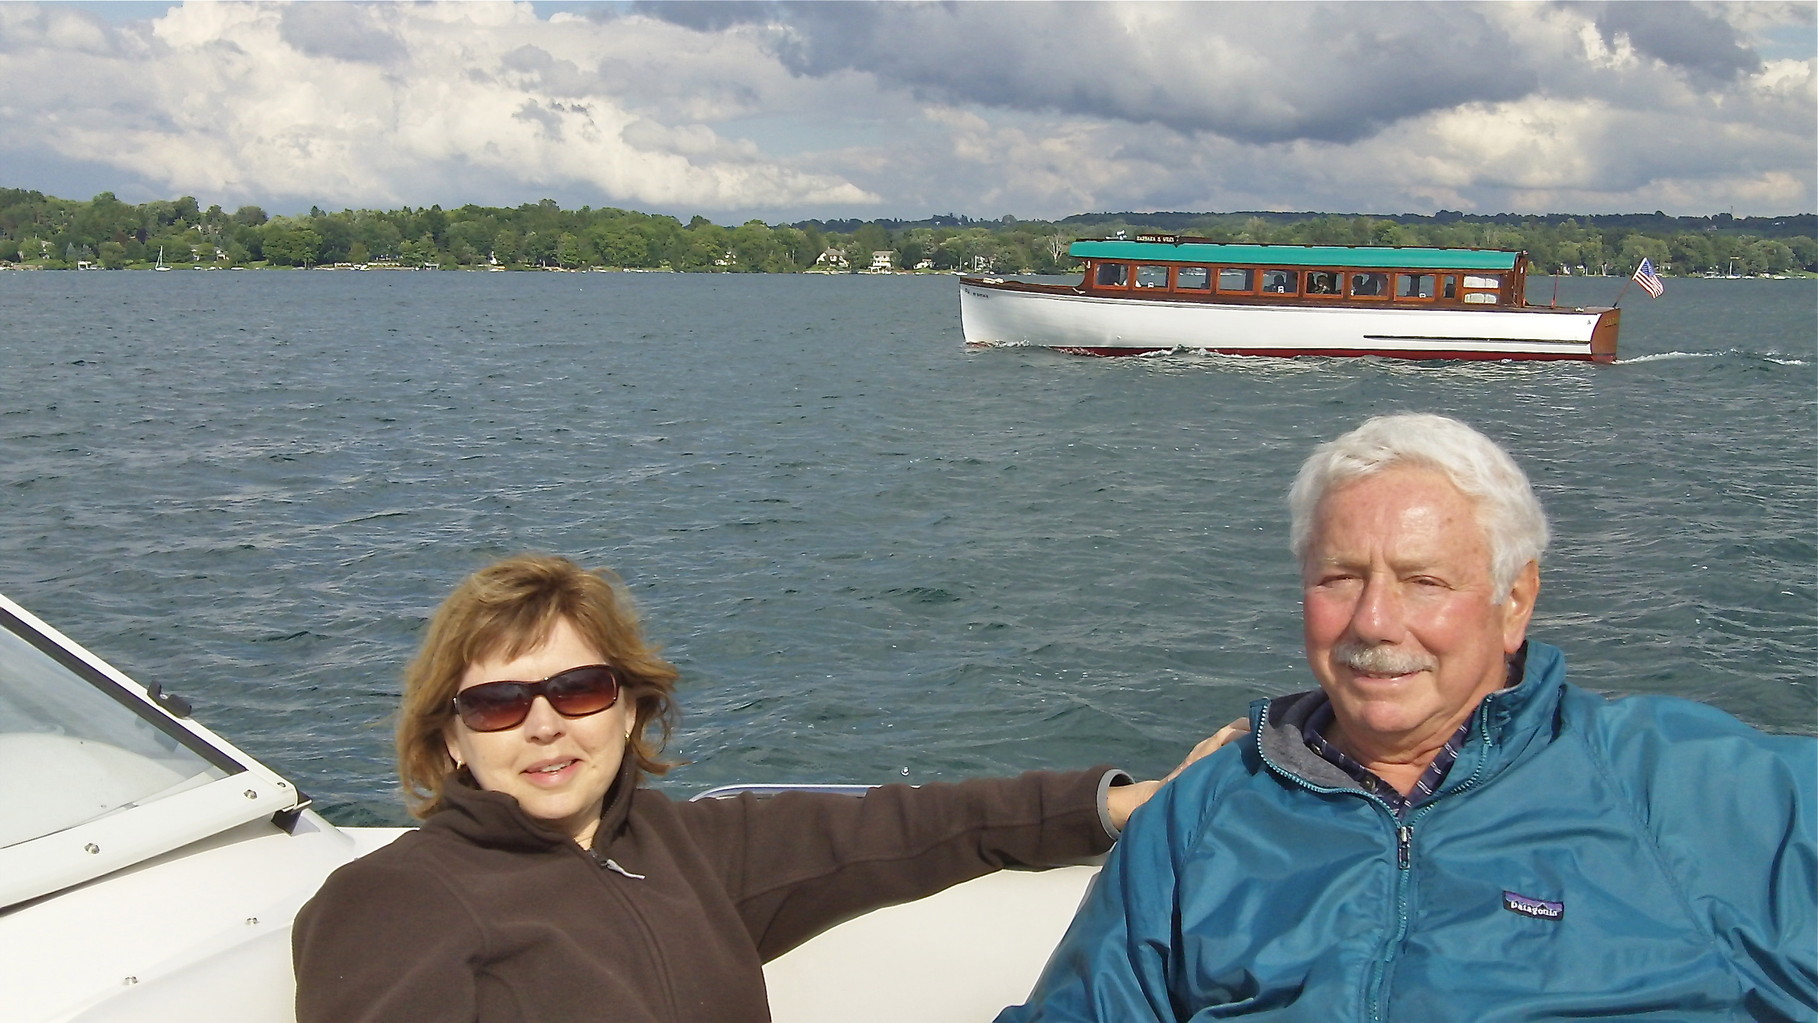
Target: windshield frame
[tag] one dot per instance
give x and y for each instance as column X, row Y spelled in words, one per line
column 247, row 791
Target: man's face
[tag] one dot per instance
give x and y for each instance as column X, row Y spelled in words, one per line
column 1402, row 626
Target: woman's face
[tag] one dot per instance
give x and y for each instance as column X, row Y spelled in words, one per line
column 557, row 768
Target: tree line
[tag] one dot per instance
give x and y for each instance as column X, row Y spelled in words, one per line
column 47, row 232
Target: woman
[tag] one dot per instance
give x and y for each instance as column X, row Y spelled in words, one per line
column 545, row 885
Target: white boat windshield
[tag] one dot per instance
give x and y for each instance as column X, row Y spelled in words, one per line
column 70, row 752
column 97, row 773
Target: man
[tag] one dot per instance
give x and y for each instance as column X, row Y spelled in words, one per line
column 1446, row 829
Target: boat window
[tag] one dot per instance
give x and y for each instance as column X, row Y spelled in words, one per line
column 1192, row 278
column 1414, row 285
column 1281, row 282
column 1482, row 289
column 1322, row 282
column 1231, row 278
column 1448, row 286
column 71, row 753
column 1151, row 276
column 1111, row 275
column 1370, row 285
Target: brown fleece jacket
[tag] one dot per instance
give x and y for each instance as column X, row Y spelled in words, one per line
column 484, row 914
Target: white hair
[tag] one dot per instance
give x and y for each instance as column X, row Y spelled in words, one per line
column 1512, row 520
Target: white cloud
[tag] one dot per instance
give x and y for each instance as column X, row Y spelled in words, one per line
column 904, row 109
column 1363, row 107
column 387, row 104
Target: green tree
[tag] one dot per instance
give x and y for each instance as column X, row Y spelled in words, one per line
column 803, row 246
column 249, row 240
column 287, row 244
column 540, row 248
column 756, row 248
column 620, row 243
column 381, row 237
column 337, row 237
column 1769, row 255
column 420, row 252
column 1257, row 231
column 869, row 238
column 507, row 247
column 910, row 250
column 574, row 251
column 432, row 222
column 666, row 240
column 1805, row 252
column 468, row 241
column 1691, row 253
column 705, row 248
column 954, row 254
column 1637, row 247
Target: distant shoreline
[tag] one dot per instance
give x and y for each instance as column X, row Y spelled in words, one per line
column 338, row 268
column 33, row 268
column 49, row 233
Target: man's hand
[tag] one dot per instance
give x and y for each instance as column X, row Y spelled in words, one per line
column 1123, row 800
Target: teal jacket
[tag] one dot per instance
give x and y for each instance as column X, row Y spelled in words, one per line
column 1639, row 858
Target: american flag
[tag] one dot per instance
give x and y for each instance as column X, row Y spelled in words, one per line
column 1648, row 279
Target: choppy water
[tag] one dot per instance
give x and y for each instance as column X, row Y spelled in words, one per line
column 873, row 552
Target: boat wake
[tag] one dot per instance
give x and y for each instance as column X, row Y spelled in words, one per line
column 1187, row 356
column 1778, row 358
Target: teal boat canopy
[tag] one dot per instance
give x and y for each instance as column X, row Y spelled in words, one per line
column 1369, row 256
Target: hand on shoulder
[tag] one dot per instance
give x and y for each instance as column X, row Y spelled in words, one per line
column 1123, row 800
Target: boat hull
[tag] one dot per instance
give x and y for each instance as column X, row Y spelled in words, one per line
column 1055, row 316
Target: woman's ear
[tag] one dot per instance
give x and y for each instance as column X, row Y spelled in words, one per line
column 449, row 737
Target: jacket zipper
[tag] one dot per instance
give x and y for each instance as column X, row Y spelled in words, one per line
column 602, row 866
column 1378, row 984
column 1403, row 858
column 1375, row 985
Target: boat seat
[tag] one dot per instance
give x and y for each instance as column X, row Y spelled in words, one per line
column 961, row 954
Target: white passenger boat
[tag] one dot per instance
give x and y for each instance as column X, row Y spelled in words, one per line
column 1165, row 292
column 150, row 872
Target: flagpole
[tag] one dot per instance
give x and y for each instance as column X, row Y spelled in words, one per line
column 1624, row 291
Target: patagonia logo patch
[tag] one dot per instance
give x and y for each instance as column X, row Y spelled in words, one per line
column 1539, row 909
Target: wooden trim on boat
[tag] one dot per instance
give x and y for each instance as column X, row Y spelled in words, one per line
column 1158, row 279
column 1603, row 336
column 1215, row 297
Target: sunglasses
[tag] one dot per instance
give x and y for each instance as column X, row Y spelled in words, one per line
column 575, row 693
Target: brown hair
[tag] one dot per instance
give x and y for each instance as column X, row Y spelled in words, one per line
column 505, row 610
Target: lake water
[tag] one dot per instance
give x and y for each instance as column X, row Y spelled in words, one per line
column 873, row 552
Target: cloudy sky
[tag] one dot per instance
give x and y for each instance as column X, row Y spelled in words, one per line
column 786, row 111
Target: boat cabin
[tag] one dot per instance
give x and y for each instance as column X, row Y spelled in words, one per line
column 1174, row 268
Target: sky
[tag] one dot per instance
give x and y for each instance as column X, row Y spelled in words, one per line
column 792, row 111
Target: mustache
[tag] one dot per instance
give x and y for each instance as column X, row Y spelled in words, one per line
column 1378, row 659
